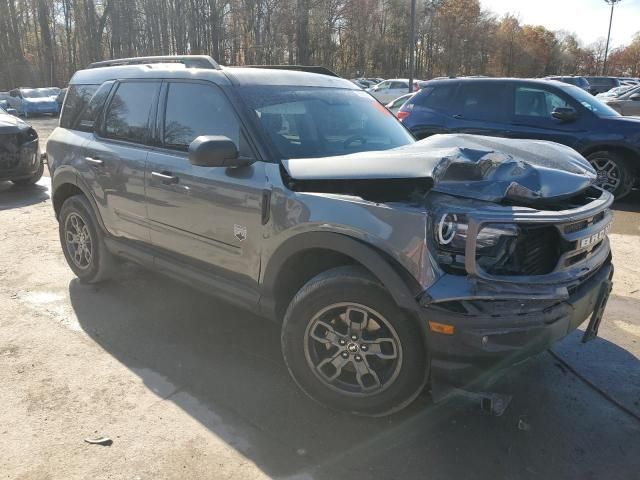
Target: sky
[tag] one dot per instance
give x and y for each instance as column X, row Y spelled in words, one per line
column 588, row 19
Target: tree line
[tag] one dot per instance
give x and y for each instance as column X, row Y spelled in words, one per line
column 43, row 42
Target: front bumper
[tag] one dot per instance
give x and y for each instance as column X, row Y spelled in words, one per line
column 484, row 345
column 20, row 163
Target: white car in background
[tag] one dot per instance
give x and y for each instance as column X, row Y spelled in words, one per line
column 391, row 89
column 395, row 105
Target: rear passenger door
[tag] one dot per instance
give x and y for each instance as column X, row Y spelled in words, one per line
column 115, row 159
column 210, row 215
column 481, row 108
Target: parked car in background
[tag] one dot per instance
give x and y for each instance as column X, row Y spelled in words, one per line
column 20, row 160
column 614, row 92
column 297, row 196
column 581, row 82
column 627, row 103
column 389, row 90
column 52, row 91
column 602, row 84
column 394, row 105
column 629, row 81
column 30, row 101
column 362, row 83
column 536, row 109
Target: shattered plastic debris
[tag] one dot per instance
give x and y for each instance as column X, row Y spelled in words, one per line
column 104, row 441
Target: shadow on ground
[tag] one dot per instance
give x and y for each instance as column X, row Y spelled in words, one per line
column 223, row 367
column 12, row 196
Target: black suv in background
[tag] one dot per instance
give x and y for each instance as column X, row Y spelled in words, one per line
column 533, row 109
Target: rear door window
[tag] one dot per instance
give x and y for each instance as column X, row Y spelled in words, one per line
column 127, row 116
column 399, row 85
column 438, row 98
column 77, row 99
column 484, row 101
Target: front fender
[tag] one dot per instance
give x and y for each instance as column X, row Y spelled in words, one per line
column 402, row 287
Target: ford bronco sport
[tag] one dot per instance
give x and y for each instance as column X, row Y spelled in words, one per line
column 390, row 263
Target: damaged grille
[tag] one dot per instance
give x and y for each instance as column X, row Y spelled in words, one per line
column 535, row 251
column 511, row 242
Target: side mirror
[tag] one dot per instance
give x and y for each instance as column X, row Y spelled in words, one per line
column 564, row 114
column 215, row 151
column 12, row 111
column 635, row 97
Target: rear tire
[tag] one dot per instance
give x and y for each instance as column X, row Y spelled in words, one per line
column 82, row 241
column 350, row 347
column 27, row 182
column 614, row 172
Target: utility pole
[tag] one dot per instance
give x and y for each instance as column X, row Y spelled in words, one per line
column 606, row 48
column 412, row 45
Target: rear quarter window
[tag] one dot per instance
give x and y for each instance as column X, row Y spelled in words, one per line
column 77, row 99
column 438, row 98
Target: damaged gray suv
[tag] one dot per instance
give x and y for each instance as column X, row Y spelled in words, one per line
column 391, row 264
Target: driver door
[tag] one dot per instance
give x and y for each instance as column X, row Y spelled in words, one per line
column 212, row 215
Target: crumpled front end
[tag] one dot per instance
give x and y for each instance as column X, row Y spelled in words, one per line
column 19, row 153
column 515, row 250
column 513, row 280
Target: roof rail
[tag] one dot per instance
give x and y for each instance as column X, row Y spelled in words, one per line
column 189, row 61
column 301, row 68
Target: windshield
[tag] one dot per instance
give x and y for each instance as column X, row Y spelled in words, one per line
column 319, row 122
column 34, row 93
column 591, row 103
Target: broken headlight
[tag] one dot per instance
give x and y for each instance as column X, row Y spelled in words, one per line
column 493, row 243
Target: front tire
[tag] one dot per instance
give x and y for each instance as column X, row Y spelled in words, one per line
column 82, row 241
column 350, row 347
column 613, row 171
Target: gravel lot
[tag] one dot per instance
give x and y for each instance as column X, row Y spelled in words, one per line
column 188, row 387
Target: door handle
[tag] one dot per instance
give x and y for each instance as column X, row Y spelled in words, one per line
column 457, row 116
column 165, row 177
column 94, row 161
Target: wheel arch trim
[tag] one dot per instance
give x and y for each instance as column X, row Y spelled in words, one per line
column 70, row 177
column 369, row 257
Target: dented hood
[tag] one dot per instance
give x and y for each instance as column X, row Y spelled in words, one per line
column 472, row 166
column 11, row 124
